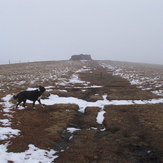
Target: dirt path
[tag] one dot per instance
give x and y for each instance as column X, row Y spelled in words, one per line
column 133, row 133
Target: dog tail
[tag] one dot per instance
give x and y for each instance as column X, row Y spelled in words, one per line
column 15, row 97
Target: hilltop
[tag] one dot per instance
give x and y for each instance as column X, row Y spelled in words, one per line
column 81, row 57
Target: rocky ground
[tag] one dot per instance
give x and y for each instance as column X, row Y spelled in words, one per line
column 123, row 134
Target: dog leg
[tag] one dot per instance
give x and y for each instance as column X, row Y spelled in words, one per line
column 34, row 104
column 18, row 104
column 24, row 103
column 39, row 101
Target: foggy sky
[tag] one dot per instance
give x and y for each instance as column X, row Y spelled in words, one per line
column 123, row 30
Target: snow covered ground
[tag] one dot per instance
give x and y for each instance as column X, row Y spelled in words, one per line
column 143, row 76
column 34, row 154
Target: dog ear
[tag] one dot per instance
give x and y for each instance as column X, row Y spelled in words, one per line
column 39, row 88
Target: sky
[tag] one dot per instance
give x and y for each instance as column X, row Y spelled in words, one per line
column 42, row 30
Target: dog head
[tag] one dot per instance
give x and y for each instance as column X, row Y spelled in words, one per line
column 41, row 89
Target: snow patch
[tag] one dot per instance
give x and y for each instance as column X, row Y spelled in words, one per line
column 7, row 132
column 55, row 99
column 5, row 122
column 72, row 129
column 100, row 117
column 33, row 154
column 138, row 78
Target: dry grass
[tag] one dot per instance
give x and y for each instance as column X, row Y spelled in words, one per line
column 137, row 128
column 150, row 76
column 130, row 130
column 115, row 87
column 42, row 126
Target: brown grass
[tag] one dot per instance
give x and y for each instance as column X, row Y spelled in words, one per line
column 130, row 132
column 41, row 126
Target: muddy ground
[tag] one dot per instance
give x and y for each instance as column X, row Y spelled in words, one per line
column 133, row 133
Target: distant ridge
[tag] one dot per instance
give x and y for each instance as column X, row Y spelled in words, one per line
column 81, row 57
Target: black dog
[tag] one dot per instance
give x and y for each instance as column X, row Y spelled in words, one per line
column 34, row 96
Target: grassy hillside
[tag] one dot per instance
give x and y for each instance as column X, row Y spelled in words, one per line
column 94, row 111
